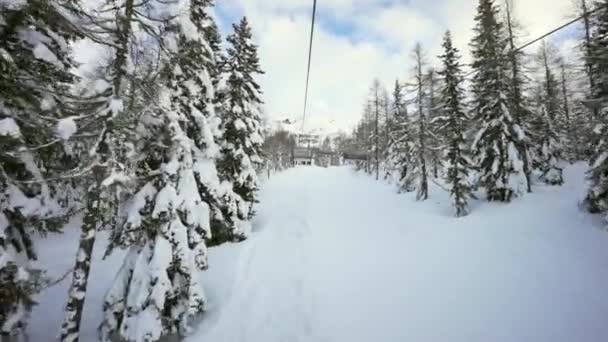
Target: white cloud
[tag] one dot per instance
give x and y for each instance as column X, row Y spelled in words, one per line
column 344, row 63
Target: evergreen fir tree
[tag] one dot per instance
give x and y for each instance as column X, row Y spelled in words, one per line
column 548, row 150
column 386, row 128
column 597, row 196
column 421, row 140
column 214, row 39
column 586, row 112
column 517, row 101
column 495, row 147
column 433, row 110
column 583, row 9
column 548, row 139
column 229, row 210
column 35, row 72
column 368, row 137
column 241, row 116
column 400, row 147
column 577, row 133
column 568, row 138
column 212, row 32
column 105, row 166
column 373, row 116
column 169, row 219
column 452, row 125
column 362, row 139
column 592, row 50
column 597, row 56
column 166, row 222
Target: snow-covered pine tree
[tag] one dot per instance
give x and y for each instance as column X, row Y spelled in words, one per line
column 279, row 146
column 386, row 126
column 433, row 110
column 363, row 135
column 597, row 55
column 367, row 131
column 229, row 212
column 96, row 197
column 546, row 137
column 362, row 139
column 214, row 38
column 546, row 158
column 117, row 25
column 421, row 139
column 577, row 135
column 576, row 116
column 167, row 222
column 597, row 196
column 495, row 146
column 241, row 115
column 373, row 113
column 400, row 146
column 588, row 47
column 452, row 125
column 584, row 12
column 517, row 101
column 35, row 73
column 156, row 291
column 564, row 95
column 586, row 110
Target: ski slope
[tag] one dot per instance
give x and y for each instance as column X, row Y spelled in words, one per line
column 341, row 257
column 337, row 256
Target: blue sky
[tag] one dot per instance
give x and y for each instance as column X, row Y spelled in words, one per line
column 357, row 41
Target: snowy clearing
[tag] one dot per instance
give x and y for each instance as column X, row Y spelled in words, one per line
column 337, row 256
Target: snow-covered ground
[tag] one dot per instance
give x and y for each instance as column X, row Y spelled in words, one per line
column 337, row 256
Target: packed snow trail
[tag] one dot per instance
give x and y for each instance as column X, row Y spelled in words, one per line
column 341, row 257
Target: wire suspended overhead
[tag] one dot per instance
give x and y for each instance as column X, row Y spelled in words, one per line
column 312, row 32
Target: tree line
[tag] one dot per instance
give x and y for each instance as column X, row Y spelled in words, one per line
column 157, row 141
column 509, row 121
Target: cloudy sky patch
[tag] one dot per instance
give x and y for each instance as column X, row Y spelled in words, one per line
column 358, row 40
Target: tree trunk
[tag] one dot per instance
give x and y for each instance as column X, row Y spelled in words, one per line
column 432, row 108
column 423, row 191
column 70, row 329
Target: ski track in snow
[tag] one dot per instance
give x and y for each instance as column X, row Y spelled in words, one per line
column 336, row 256
column 273, row 255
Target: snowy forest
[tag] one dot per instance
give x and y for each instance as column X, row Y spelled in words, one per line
column 507, row 121
column 156, row 149
column 156, row 141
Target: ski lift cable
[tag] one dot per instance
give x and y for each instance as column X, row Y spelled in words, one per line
column 312, row 31
column 571, row 22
